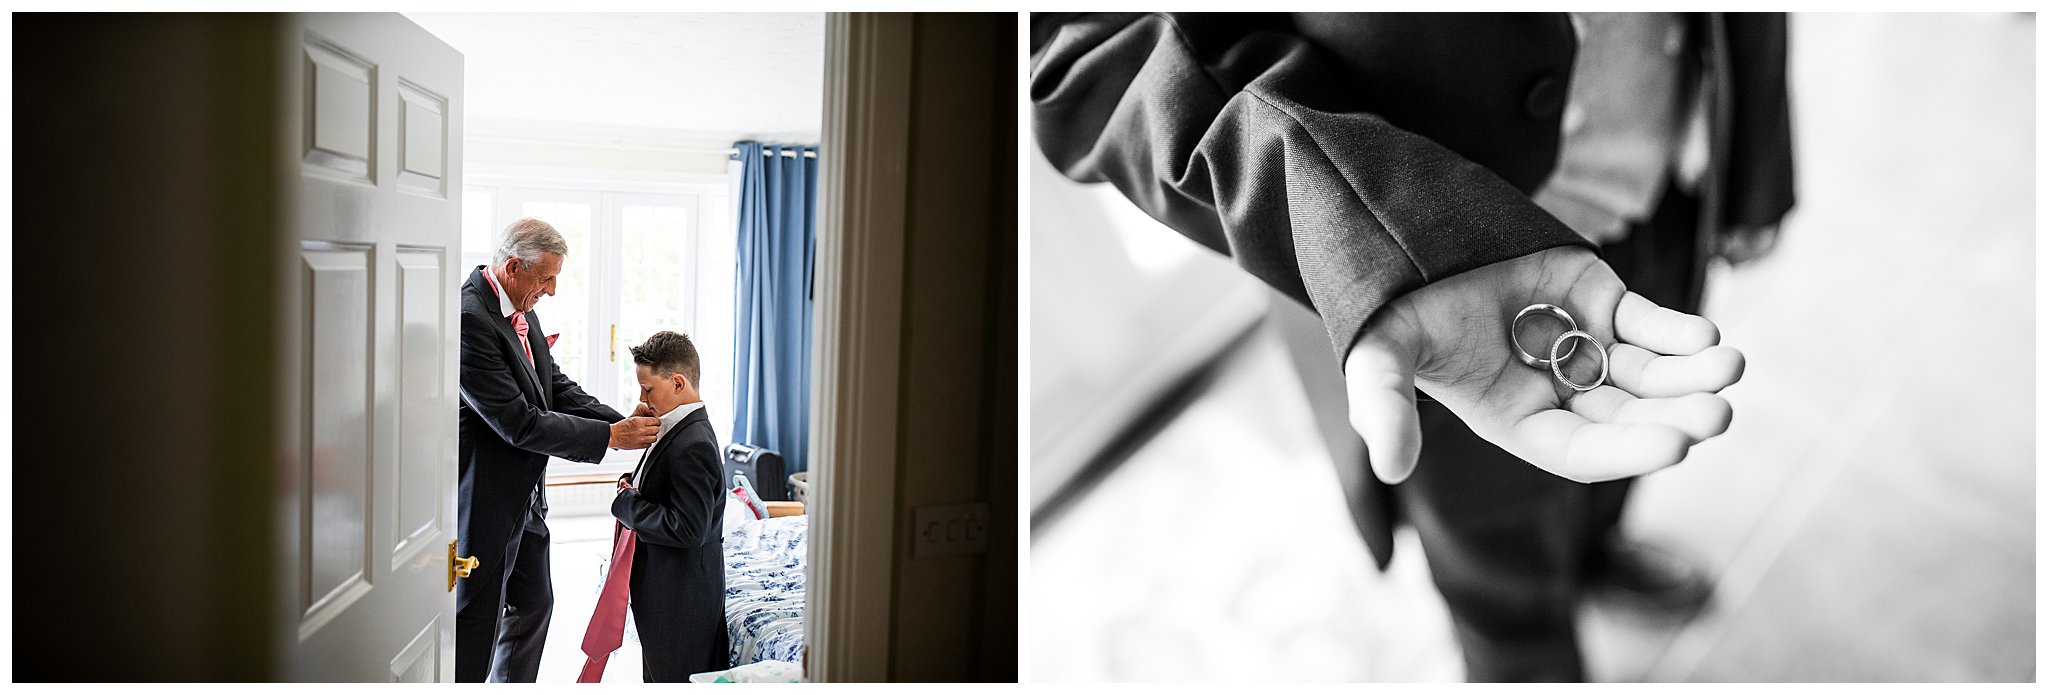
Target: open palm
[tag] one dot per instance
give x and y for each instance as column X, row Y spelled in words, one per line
column 1450, row 339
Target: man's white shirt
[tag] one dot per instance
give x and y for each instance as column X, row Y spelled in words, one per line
column 505, row 307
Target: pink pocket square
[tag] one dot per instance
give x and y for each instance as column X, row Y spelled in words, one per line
column 551, row 340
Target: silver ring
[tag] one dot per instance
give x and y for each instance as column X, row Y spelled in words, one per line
column 1556, row 362
column 1515, row 326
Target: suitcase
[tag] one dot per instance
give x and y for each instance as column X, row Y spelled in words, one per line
column 761, row 466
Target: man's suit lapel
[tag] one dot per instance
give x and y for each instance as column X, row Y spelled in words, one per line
column 519, row 358
column 510, row 338
column 536, row 339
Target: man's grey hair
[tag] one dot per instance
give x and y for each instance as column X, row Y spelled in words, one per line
column 526, row 239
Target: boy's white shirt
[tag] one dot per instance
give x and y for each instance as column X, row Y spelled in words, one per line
column 668, row 421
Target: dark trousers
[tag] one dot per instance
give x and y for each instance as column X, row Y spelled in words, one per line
column 679, row 610
column 502, row 621
column 1507, row 543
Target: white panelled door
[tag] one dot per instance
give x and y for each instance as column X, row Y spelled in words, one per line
column 369, row 354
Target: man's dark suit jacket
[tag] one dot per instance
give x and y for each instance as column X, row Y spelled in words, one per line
column 1349, row 159
column 511, row 419
column 677, row 509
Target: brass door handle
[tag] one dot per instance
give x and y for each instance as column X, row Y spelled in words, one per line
column 459, row 566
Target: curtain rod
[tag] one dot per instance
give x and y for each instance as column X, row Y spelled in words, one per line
column 735, row 152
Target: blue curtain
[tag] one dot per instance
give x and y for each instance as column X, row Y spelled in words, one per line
column 772, row 321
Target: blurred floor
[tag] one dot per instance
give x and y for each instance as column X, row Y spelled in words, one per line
column 1222, row 551
column 1872, row 517
column 1869, row 516
column 580, row 544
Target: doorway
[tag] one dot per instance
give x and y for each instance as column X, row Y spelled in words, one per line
column 618, row 129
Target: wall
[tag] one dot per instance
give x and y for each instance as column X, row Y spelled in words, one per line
column 956, row 616
column 559, row 155
column 145, row 238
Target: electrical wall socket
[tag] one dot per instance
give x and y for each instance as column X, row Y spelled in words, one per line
column 949, row 529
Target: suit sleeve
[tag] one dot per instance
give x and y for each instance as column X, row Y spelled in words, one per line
column 1760, row 126
column 488, row 388
column 1228, row 144
column 684, row 519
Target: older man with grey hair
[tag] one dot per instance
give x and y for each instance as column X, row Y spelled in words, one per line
column 517, row 410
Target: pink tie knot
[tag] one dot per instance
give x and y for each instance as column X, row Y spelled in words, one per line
column 519, row 326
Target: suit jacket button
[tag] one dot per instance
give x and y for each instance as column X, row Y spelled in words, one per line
column 1546, row 98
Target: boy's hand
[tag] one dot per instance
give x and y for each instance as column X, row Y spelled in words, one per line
column 1450, row 339
column 625, row 482
column 642, row 409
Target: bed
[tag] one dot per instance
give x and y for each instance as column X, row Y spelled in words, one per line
column 764, row 589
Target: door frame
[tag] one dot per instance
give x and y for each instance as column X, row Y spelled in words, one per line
column 857, row 358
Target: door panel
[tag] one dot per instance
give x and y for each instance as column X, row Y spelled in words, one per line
column 371, row 349
column 423, row 292
column 417, row 662
column 422, row 131
column 341, row 110
column 333, row 491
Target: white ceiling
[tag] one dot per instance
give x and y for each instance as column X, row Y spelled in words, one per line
column 713, row 77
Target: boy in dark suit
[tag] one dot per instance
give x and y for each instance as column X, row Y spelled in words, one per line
column 675, row 502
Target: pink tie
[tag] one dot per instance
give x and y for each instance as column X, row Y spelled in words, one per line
column 519, row 326
column 608, row 623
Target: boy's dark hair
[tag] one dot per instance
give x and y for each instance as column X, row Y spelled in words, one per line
column 669, row 352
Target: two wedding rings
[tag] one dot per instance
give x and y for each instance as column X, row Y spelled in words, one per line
column 1565, row 342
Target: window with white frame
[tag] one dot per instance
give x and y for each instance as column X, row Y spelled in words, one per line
column 643, row 257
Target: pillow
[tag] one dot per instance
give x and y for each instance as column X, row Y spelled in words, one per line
column 745, row 491
column 757, row 672
column 737, row 513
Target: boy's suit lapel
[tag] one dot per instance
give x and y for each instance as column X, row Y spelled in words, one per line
column 640, row 471
column 673, row 433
